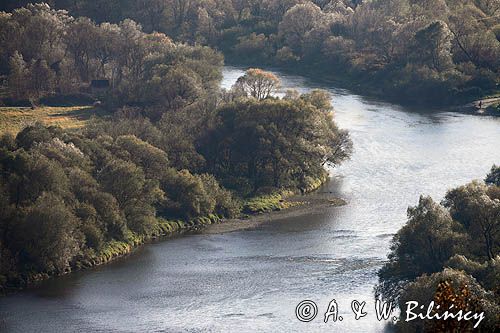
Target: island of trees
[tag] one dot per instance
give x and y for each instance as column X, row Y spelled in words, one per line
column 449, row 253
column 173, row 151
column 434, row 52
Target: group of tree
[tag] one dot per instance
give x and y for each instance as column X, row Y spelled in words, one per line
column 449, row 253
column 415, row 51
column 174, row 146
column 274, row 142
column 46, row 52
column 64, row 195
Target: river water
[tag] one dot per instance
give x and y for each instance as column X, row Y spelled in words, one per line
column 251, row 281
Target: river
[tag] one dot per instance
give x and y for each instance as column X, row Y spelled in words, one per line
column 251, row 281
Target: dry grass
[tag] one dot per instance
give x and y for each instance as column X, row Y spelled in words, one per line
column 14, row 119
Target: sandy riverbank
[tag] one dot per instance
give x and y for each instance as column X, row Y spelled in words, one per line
column 299, row 205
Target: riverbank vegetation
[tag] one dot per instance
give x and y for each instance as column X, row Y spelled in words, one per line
column 427, row 52
column 172, row 153
column 449, row 253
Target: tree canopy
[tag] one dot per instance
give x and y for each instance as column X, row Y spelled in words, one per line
column 178, row 150
column 412, row 51
column 448, row 253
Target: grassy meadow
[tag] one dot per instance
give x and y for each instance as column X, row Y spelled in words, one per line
column 14, row 119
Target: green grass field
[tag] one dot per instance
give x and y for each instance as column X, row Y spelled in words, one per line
column 14, row 119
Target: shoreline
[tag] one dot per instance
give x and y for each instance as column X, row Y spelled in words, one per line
column 299, row 205
column 290, row 205
column 488, row 105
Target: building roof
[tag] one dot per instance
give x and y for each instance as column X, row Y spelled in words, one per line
column 99, row 84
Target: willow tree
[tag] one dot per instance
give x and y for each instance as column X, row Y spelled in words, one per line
column 258, row 83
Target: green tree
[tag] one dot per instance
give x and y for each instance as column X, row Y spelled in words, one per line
column 434, row 46
column 494, row 176
column 185, row 195
column 49, row 236
column 135, row 194
column 41, row 79
column 423, row 245
column 96, row 208
column 18, row 76
column 173, row 87
column 151, row 159
column 299, row 24
column 479, row 214
column 275, row 142
column 32, row 174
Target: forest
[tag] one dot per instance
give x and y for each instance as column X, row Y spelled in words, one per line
column 173, row 150
column 411, row 51
column 448, row 253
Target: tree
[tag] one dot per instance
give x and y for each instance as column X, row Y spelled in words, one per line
column 49, row 235
column 274, row 142
column 18, row 76
column 151, row 159
column 135, row 194
column 446, row 288
column 479, row 214
column 258, row 83
column 225, row 204
column 486, row 273
column 32, row 174
column 435, row 238
column 124, row 180
column 253, row 46
column 176, row 14
column 41, row 79
column 494, row 176
column 106, row 43
column 151, row 13
column 42, row 32
column 472, row 39
column 298, row 23
column 80, row 44
column 173, row 87
column 185, row 195
column 434, row 46
column 92, row 231
column 423, row 245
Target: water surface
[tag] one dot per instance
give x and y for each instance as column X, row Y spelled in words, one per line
column 251, row 281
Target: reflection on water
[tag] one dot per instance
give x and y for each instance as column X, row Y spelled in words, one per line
column 251, row 281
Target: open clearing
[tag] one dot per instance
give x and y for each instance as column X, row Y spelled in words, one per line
column 14, row 119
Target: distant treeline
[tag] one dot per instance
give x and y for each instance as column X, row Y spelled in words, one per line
column 45, row 52
column 444, row 51
column 449, row 253
column 174, row 148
